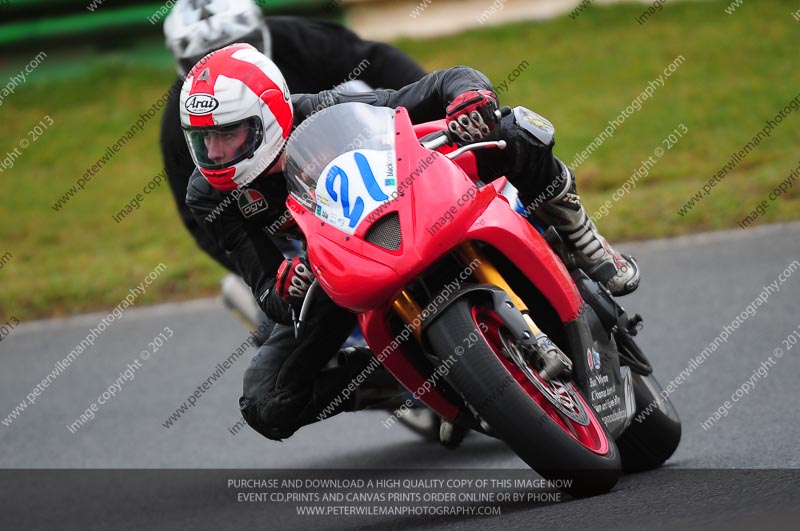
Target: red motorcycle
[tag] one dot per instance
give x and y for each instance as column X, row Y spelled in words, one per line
column 488, row 321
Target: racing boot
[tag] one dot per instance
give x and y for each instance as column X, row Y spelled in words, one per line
column 618, row 272
column 451, row 435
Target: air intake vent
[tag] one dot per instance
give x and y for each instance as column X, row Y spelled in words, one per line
column 385, row 232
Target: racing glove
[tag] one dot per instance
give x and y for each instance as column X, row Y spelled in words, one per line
column 471, row 115
column 291, row 285
column 293, row 279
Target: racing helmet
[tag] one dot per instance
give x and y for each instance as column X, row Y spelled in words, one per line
column 236, row 114
column 195, row 27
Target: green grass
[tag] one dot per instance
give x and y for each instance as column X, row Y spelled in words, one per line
column 739, row 71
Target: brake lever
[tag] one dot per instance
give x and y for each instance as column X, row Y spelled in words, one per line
column 299, row 320
column 499, row 144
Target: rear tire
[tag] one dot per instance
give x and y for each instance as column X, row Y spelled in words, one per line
column 654, row 432
column 555, row 446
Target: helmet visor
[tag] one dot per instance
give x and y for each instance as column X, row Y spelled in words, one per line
column 222, row 146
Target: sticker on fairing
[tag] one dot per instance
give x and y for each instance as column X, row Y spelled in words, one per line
column 595, row 360
column 353, row 185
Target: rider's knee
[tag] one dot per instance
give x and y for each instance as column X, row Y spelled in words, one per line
column 274, row 418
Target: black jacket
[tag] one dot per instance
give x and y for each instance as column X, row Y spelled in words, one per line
column 313, row 56
column 246, row 240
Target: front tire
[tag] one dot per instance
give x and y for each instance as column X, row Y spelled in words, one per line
column 540, row 433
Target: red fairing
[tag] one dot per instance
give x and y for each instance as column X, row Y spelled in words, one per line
column 384, row 344
column 345, row 261
column 342, row 261
column 366, row 278
column 514, row 237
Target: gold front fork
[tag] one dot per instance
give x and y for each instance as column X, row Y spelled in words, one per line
column 554, row 362
column 485, row 271
column 408, row 310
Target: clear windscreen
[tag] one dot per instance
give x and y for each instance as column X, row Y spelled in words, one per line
column 340, row 162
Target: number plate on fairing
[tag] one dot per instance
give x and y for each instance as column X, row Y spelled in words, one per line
column 355, row 184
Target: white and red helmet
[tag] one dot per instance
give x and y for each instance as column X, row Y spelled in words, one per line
column 236, row 90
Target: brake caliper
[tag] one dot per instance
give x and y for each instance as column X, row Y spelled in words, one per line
column 553, row 363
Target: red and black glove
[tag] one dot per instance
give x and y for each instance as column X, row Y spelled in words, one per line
column 471, row 115
column 293, row 279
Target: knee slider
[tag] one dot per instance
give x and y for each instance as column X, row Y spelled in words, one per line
column 270, row 417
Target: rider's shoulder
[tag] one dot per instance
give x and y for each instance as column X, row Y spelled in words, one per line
column 200, row 191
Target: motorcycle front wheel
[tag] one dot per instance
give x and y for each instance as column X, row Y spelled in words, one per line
column 547, row 424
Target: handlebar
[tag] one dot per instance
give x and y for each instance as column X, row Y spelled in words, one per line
column 439, row 141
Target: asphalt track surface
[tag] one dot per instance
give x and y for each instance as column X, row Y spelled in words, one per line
column 740, row 473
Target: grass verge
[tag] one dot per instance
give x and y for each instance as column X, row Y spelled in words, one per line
column 738, row 72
